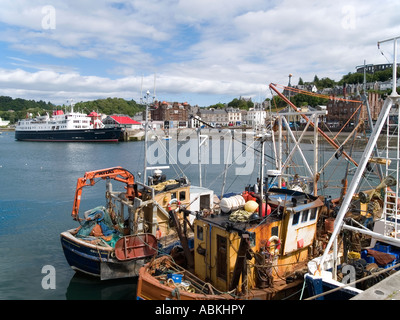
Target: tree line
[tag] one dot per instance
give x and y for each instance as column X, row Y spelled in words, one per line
column 15, row 109
column 351, row 78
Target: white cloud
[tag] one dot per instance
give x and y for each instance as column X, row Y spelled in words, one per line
column 205, row 47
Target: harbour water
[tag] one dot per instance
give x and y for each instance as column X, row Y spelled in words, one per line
column 38, row 181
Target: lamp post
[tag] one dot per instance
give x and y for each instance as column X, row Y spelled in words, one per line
column 145, row 136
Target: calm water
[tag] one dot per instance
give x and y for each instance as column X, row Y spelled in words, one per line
column 37, row 186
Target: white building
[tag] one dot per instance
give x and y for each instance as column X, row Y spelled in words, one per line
column 222, row 117
column 255, row 117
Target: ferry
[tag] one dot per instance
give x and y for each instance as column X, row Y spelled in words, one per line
column 65, row 127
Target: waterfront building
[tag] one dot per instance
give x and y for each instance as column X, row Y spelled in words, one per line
column 221, row 117
column 254, row 117
column 372, row 68
column 173, row 114
column 122, row 121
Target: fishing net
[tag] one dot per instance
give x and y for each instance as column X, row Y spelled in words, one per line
column 95, row 218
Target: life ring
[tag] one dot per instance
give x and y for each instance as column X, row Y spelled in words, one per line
column 277, row 245
column 171, row 202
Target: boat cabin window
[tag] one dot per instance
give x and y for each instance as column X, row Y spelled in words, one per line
column 182, row 195
column 204, row 202
column 221, row 257
column 199, row 233
column 296, row 217
column 304, row 216
column 275, row 231
column 313, row 214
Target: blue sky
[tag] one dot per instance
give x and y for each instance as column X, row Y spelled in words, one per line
column 199, row 51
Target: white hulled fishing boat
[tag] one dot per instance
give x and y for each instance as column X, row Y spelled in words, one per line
column 367, row 212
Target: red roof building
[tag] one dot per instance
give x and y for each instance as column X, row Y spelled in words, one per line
column 122, row 121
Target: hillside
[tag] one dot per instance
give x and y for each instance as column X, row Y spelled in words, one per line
column 14, row 109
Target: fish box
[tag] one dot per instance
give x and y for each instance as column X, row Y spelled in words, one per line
column 177, row 278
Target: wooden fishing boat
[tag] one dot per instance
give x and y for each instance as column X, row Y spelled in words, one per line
column 163, row 278
column 243, row 254
column 115, row 240
column 255, row 245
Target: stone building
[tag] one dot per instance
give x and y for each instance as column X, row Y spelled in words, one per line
column 339, row 111
column 173, row 114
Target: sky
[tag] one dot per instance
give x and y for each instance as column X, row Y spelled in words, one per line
column 198, row 51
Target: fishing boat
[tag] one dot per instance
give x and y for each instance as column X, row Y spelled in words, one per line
column 115, row 240
column 364, row 245
column 65, row 127
column 255, row 245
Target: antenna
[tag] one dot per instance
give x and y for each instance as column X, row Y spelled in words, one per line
column 154, row 93
column 394, row 92
column 141, row 91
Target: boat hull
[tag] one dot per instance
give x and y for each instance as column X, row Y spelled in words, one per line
column 150, row 288
column 85, row 135
column 317, row 286
column 325, row 288
column 97, row 260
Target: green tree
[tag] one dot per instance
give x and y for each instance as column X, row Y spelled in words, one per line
column 218, row 106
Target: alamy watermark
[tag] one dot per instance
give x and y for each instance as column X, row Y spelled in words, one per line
column 349, row 274
column 49, row 280
column 49, row 18
column 349, row 17
column 237, row 149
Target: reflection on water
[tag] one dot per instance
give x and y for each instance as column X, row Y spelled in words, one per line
column 83, row 287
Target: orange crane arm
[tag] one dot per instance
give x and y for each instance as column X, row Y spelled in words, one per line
column 116, row 173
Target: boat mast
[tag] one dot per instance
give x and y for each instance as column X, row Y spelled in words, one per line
column 392, row 99
column 145, row 137
column 263, row 138
column 201, row 140
column 371, row 124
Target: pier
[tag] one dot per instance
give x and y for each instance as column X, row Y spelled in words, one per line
column 387, row 289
